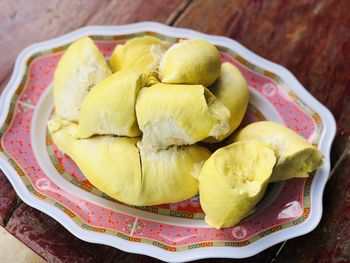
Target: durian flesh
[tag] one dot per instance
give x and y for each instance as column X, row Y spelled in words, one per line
column 179, row 114
column 296, row 157
column 142, row 53
column 132, row 175
column 232, row 90
column 233, row 180
column 170, row 175
column 156, row 170
column 80, row 68
column 110, row 107
column 193, row 61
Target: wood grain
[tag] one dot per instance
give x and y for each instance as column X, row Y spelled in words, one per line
column 8, row 199
column 40, row 232
column 53, row 242
column 23, row 23
column 310, row 38
column 330, row 241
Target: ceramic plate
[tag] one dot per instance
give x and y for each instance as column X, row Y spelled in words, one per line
column 49, row 181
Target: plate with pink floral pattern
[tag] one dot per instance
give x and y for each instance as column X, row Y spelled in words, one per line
column 50, row 181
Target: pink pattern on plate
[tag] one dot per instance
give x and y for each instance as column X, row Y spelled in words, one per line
column 187, row 207
column 291, row 113
column 16, row 142
column 40, row 75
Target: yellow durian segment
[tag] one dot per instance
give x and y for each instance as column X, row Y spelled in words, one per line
column 80, row 68
column 169, row 175
column 232, row 90
column 233, row 180
column 142, row 53
column 110, row 107
column 296, row 157
column 179, row 114
column 193, row 61
column 111, row 164
column 130, row 173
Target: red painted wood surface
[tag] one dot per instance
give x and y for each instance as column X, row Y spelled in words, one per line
column 8, row 199
column 330, row 242
column 53, row 242
column 309, row 37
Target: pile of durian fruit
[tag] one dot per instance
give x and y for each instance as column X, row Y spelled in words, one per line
column 133, row 127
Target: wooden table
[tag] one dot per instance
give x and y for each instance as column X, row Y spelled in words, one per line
column 309, row 37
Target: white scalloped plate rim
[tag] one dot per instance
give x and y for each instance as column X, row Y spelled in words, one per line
column 317, row 186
